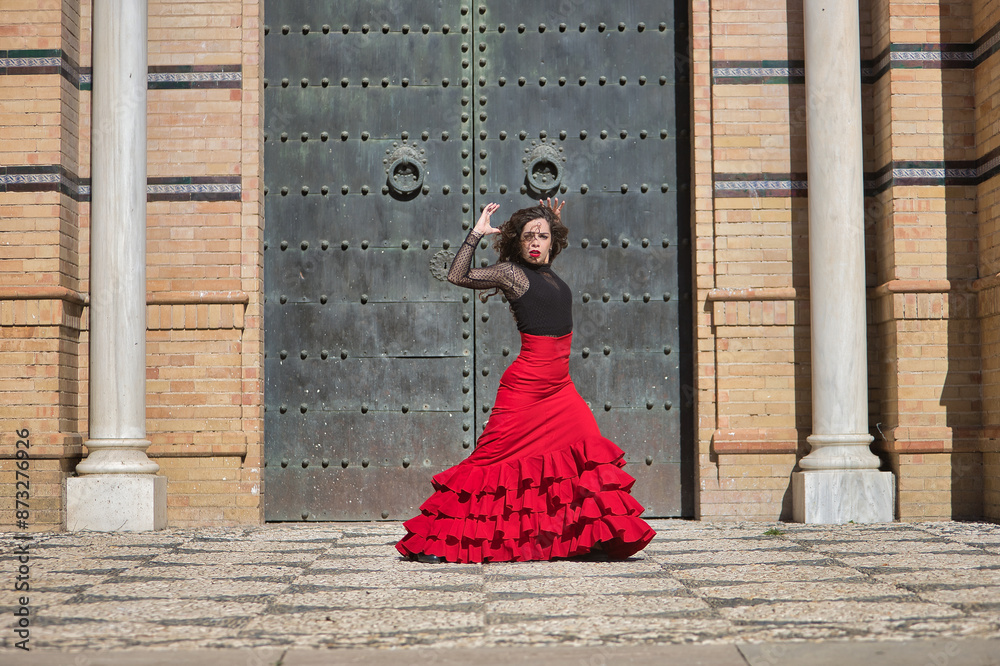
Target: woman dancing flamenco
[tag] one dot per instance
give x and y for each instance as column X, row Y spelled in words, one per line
column 542, row 482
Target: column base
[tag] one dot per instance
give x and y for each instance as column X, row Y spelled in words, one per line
column 835, row 497
column 116, row 502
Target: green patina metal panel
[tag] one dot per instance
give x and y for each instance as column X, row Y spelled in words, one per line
column 387, row 126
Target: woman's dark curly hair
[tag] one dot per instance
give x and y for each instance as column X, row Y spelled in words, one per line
column 508, row 242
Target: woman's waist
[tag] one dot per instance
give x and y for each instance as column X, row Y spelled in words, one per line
column 549, row 347
column 541, row 359
column 536, row 378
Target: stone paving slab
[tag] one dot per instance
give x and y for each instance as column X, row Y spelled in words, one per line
column 343, row 589
column 970, row 652
column 688, row 655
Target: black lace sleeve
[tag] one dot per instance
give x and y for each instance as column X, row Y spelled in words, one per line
column 505, row 276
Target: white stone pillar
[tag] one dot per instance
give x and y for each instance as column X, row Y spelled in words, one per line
column 117, row 487
column 840, row 481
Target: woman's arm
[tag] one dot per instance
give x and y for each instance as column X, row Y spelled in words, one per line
column 504, row 276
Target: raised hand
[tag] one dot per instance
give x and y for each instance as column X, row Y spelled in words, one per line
column 557, row 208
column 483, row 225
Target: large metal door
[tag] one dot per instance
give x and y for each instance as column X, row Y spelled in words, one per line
column 387, row 126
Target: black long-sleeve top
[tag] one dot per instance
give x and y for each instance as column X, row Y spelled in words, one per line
column 541, row 302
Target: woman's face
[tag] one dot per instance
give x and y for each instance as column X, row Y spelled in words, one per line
column 536, row 240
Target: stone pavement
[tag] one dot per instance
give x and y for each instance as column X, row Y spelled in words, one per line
column 747, row 593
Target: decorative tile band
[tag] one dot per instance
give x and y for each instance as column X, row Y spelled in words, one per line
column 195, row 76
column 765, row 71
column 951, row 173
column 18, row 64
column 57, row 179
column 45, row 178
column 898, row 174
column 988, row 165
column 771, row 185
column 195, row 188
column 54, row 61
column 895, row 56
column 988, row 44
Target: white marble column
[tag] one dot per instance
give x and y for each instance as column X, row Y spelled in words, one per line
column 117, row 487
column 839, row 481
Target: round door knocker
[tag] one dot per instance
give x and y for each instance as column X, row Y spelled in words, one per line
column 405, row 170
column 543, row 167
column 406, row 175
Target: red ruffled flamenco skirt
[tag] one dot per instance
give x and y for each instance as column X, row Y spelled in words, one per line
column 542, row 482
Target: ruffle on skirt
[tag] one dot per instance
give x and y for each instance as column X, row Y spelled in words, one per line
column 542, row 483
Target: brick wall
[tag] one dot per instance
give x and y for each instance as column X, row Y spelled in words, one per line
column 922, row 215
column 204, row 220
column 41, row 311
column 987, row 141
column 752, row 267
column 925, row 228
